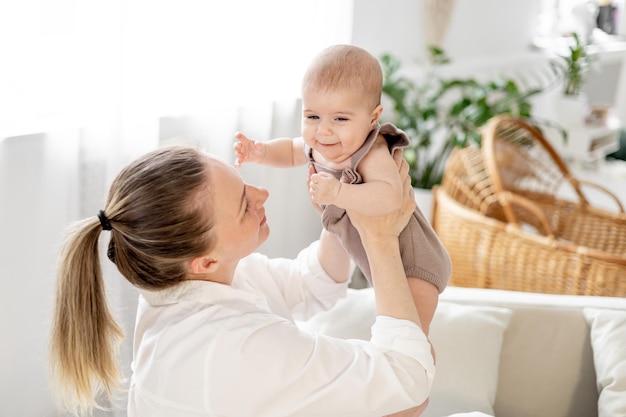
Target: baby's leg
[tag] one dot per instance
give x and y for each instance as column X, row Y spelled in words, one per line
column 426, row 297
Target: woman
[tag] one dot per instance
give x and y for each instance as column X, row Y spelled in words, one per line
column 215, row 332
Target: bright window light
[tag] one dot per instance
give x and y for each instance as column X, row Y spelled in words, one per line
column 87, row 59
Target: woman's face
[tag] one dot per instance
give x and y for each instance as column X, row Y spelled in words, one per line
column 238, row 212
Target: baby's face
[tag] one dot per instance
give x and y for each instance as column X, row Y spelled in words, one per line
column 336, row 123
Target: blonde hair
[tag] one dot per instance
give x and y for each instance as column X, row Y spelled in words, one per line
column 158, row 223
column 341, row 67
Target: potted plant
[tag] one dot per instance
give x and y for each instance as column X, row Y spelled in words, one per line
column 574, row 67
column 439, row 114
column 571, row 105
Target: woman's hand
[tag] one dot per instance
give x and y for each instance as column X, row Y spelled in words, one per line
column 393, row 223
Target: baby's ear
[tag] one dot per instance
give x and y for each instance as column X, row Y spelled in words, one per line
column 376, row 114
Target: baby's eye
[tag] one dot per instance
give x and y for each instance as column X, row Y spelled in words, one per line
column 312, row 117
column 341, row 119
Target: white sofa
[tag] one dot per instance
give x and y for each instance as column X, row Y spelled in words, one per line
column 513, row 354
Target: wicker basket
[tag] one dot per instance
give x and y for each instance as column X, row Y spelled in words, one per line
column 512, row 217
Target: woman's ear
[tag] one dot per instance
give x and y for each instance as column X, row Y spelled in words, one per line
column 203, row 265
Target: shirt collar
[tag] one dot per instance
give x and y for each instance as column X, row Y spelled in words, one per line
column 205, row 292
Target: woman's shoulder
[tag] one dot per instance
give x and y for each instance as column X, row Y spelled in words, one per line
column 252, row 262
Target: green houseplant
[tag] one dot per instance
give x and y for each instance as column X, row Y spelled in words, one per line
column 571, row 105
column 439, row 114
column 573, row 66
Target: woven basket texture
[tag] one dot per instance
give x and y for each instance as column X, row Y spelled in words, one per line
column 512, row 217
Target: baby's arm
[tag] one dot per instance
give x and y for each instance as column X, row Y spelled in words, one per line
column 381, row 190
column 279, row 152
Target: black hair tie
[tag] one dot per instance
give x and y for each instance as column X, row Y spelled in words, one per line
column 104, row 221
column 111, row 251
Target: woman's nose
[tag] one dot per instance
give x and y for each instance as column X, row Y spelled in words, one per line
column 261, row 196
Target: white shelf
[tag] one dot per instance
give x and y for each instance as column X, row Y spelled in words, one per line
column 612, row 44
column 589, row 143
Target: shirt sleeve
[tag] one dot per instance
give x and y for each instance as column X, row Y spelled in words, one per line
column 317, row 375
column 300, row 285
column 395, row 335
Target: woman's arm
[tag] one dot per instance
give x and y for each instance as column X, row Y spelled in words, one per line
column 333, row 257
column 279, row 367
column 379, row 235
column 393, row 370
column 393, row 293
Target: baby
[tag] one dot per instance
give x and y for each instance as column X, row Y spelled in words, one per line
column 352, row 156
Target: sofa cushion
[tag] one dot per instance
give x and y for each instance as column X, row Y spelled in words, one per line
column 546, row 363
column 467, row 341
column 608, row 341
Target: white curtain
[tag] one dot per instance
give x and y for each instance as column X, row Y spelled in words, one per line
column 114, row 68
column 87, row 85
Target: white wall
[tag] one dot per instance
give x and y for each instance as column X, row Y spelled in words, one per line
column 485, row 38
column 478, row 29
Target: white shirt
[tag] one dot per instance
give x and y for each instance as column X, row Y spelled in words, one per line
column 208, row 349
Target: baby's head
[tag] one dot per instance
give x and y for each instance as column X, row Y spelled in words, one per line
column 346, row 68
column 340, row 103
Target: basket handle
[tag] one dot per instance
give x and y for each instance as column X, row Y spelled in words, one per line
column 488, row 145
column 507, row 198
column 620, row 207
column 556, row 158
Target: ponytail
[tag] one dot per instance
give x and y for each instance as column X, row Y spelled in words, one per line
column 85, row 337
column 158, row 199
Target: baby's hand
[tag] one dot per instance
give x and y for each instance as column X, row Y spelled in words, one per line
column 324, row 188
column 312, row 172
column 247, row 150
